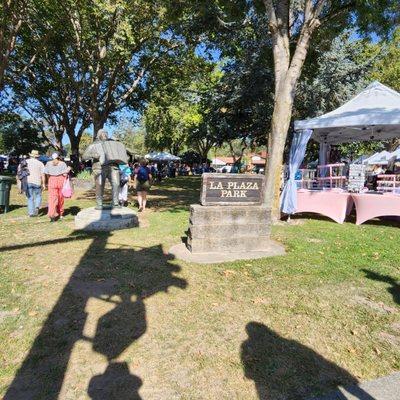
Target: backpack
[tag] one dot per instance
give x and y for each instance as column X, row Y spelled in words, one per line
column 143, row 174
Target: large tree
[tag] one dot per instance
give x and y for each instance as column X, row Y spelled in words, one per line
column 11, row 16
column 97, row 60
column 292, row 27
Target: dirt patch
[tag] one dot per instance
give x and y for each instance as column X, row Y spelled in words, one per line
column 392, row 339
column 5, row 314
column 380, row 307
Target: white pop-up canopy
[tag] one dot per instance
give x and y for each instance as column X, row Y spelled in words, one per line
column 374, row 114
column 161, row 156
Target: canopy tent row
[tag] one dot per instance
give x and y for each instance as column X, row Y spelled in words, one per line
column 374, row 114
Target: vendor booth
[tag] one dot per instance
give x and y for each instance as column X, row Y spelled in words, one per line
column 374, row 114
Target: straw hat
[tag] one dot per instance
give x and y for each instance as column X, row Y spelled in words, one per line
column 34, row 153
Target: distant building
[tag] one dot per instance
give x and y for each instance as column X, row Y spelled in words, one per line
column 258, row 160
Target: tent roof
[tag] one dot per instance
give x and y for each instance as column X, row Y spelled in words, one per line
column 374, row 114
column 161, row 156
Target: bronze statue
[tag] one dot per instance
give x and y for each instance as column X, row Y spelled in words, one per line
column 106, row 155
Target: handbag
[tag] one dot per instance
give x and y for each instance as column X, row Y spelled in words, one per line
column 66, row 190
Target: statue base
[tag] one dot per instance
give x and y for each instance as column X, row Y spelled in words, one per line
column 112, row 219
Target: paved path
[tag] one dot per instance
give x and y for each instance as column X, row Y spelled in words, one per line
column 386, row 388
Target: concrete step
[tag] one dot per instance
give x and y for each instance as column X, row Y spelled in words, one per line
column 239, row 244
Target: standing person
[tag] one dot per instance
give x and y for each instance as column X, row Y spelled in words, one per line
column 142, row 181
column 125, row 172
column 57, row 171
column 31, row 174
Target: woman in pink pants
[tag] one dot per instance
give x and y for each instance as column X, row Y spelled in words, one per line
column 56, row 171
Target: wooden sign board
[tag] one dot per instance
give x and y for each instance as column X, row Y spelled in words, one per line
column 232, row 189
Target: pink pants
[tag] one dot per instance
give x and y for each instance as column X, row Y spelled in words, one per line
column 56, row 199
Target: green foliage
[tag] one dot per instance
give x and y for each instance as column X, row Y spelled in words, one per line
column 21, row 137
column 178, row 118
column 85, row 141
column 387, row 67
column 333, row 77
column 84, row 175
column 191, row 157
column 132, row 137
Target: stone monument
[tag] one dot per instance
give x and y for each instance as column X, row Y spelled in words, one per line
column 106, row 155
column 230, row 223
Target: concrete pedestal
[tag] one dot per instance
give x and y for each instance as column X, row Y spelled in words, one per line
column 228, row 233
column 91, row 219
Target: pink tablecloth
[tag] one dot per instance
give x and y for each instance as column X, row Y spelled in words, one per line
column 328, row 203
column 370, row 206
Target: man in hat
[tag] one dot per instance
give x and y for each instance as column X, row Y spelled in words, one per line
column 35, row 182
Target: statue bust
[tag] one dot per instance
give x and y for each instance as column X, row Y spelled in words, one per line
column 106, row 155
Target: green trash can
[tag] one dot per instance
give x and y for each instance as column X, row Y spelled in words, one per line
column 5, row 188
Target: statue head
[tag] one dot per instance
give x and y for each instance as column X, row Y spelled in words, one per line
column 102, row 135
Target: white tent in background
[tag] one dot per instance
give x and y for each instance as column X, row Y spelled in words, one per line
column 216, row 162
column 161, row 156
column 396, row 153
column 380, row 158
column 374, row 114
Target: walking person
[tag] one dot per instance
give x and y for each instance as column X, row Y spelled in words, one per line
column 142, row 182
column 57, row 172
column 31, row 175
column 125, row 172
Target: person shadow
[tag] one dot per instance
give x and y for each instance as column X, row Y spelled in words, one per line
column 121, row 279
column 284, row 369
column 394, row 288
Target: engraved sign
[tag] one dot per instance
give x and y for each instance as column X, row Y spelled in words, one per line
column 232, row 189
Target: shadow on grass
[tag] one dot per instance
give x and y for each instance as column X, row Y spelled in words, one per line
column 394, row 289
column 285, row 369
column 123, row 278
column 71, row 238
column 172, row 194
column 73, row 210
column 13, row 207
column 175, row 194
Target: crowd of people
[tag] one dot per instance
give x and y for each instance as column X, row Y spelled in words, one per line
column 34, row 177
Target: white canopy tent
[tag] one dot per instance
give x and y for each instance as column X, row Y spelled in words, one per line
column 161, row 156
column 216, row 162
column 382, row 158
column 374, row 114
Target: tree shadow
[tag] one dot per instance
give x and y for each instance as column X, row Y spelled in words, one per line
column 123, row 278
column 172, row 194
column 285, row 369
column 394, row 290
column 12, row 207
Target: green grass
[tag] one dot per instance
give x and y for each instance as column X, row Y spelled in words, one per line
column 81, row 311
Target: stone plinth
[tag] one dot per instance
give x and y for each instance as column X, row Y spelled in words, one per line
column 227, row 233
column 228, row 228
column 91, row 219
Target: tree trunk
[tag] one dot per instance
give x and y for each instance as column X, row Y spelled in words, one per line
column 74, row 141
column 277, row 139
column 98, row 123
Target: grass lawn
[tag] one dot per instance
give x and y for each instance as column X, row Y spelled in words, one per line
column 111, row 316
